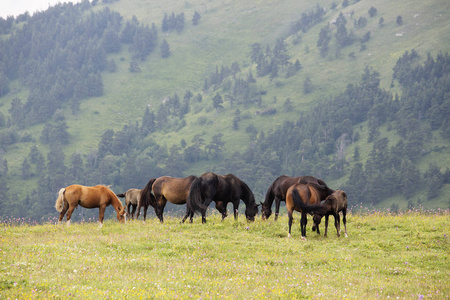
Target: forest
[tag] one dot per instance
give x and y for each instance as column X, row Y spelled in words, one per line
column 61, row 55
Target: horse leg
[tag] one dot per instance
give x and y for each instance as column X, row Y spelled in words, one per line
column 317, row 228
column 290, row 222
column 326, row 224
column 337, row 224
column 186, row 215
column 344, row 220
column 138, row 210
column 303, row 223
column 277, row 207
column 69, row 214
column 63, row 212
column 203, row 216
column 145, row 212
column 133, row 211
column 206, row 203
column 235, row 208
column 128, row 207
column 101, row 214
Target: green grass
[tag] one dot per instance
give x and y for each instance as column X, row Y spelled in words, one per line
column 385, row 256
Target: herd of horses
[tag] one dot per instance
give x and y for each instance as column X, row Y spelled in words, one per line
column 304, row 194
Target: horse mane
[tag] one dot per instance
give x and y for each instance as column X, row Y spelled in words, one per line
column 248, row 193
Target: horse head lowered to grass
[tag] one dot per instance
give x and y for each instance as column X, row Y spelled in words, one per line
column 222, row 189
column 98, row 196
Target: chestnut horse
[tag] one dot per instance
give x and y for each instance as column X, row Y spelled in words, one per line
column 165, row 188
column 333, row 204
column 98, row 196
column 132, row 198
column 303, row 198
column 221, row 189
column 277, row 191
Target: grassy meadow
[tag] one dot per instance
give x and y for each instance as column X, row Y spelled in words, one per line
column 404, row 256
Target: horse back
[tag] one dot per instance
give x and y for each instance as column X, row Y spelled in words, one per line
column 132, row 196
column 89, row 196
column 175, row 190
column 282, row 184
column 239, row 189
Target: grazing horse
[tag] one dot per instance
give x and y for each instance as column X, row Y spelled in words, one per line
column 303, row 198
column 277, row 191
column 88, row 197
column 333, row 204
column 132, row 198
column 221, row 189
column 165, row 188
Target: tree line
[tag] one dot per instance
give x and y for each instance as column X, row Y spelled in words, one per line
column 315, row 144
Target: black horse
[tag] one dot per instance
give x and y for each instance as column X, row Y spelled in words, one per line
column 277, row 191
column 222, row 189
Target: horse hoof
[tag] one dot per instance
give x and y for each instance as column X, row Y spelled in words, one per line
column 346, row 235
column 289, row 235
column 303, row 238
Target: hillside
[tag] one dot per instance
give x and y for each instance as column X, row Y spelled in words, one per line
column 216, row 58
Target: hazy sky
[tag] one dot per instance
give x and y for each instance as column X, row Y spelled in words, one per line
column 17, row 7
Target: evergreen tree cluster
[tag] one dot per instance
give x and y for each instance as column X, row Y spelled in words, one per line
column 173, row 22
column 59, row 55
column 269, row 62
column 308, row 20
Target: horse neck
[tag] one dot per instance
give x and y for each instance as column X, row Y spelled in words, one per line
column 248, row 197
column 115, row 202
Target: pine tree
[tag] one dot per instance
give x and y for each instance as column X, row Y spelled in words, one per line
column 196, row 18
column 165, row 49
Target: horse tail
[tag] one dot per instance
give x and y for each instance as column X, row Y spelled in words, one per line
column 60, row 200
column 120, row 195
column 146, row 194
column 195, row 199
column 298, row 202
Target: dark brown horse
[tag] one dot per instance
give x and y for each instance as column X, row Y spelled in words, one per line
column 132, row 198
column 277, row 191
column 98, row 196
column 222, row 189
column 303, row 198
column 333, row 204
column 165, row 188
